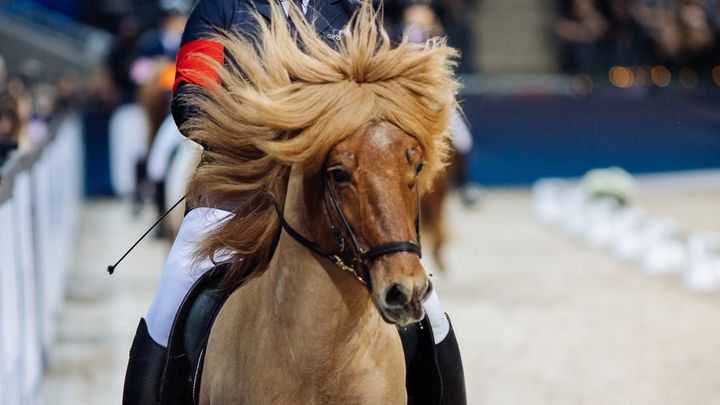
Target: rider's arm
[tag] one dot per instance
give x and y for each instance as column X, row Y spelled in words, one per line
column 209, row 17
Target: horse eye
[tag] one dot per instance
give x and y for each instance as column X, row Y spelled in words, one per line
column 419, row 167
column 340, row 175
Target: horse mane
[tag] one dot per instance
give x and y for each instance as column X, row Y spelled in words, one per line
column 280, row 103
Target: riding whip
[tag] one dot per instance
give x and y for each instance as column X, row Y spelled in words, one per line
column 111, row 268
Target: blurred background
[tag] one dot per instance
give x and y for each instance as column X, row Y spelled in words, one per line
column 575, row 240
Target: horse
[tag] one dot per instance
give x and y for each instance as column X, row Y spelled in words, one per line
column 433, row 213
column 329, row 149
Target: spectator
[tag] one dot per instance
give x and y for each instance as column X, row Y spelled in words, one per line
column 18, row 89
column 121, row 57
column 9, row 125
column 625, row 42
column 420, row 23
column 159, row 44
column 698, row 40
column 453, row 15
column 165, row 40
column 580, row 29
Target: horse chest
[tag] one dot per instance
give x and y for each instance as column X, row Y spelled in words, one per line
column 267, row 366
column 282, row 339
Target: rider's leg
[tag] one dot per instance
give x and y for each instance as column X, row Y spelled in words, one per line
column 434, row 366
column 148, row 351
column 452, row 374
column 182, row 269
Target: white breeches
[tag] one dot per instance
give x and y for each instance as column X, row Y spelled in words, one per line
column 182, row 270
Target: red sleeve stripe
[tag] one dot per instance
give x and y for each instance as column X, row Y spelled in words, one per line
column 193, row 68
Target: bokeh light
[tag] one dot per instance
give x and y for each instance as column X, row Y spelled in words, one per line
column 621, row 77
column 716, row 75
column 660, row 76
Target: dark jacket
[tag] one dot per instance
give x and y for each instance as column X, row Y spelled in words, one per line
column 215, row 16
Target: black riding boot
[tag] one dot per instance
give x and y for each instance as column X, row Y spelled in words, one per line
column 434, row 372
column 145, row 369
column 451, row 369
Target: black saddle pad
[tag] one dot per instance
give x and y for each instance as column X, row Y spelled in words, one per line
column 189, row 336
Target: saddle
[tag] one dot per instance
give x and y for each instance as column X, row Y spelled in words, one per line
column 191, row 330
column 189, row 337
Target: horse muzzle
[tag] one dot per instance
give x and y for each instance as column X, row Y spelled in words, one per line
column 399, row 289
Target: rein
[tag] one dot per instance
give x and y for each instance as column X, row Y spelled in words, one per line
column 360, row 258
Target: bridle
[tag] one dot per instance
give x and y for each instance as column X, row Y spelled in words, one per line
column 358, row 258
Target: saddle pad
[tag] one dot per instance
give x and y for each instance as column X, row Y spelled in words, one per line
column 189, row 336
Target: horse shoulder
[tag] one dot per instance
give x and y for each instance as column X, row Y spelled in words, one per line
column 227, row 350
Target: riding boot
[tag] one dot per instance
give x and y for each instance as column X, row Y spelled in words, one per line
column 434, row 372
column 145, row 369
column 451, row 370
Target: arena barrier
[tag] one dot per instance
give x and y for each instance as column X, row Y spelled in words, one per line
column 520, row 138
column 40, row 202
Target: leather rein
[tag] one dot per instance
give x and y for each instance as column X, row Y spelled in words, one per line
column 357, row 259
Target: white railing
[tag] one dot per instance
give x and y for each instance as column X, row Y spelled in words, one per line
column 40, row 202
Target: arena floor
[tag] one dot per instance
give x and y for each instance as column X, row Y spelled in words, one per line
column 541, row 319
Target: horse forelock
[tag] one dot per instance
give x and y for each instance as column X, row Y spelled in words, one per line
column 281, row 104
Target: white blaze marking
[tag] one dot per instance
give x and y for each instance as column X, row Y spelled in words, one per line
column 380, row 139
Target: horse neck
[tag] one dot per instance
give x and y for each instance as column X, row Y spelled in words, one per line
column 310, row 294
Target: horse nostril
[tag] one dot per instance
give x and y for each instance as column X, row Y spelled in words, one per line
column 397, row 296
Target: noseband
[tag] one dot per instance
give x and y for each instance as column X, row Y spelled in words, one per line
column 359, row 257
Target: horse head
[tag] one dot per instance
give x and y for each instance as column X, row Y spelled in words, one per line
column 373, row 177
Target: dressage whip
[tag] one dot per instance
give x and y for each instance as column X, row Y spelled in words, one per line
column 111, row 268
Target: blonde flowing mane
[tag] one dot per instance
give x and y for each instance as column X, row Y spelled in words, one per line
column 282, row 104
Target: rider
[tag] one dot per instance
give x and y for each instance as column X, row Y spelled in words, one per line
column 148, row 352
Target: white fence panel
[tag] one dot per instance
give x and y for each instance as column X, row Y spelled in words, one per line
column 39, row 224
column 10, row 326
column 31, row 348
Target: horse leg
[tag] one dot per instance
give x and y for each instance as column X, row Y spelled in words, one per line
column 433, row 206
column 438, row 243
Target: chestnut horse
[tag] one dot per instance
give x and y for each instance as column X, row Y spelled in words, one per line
column 330, row 148
column 434, row 225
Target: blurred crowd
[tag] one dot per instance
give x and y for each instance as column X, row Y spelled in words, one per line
column 142, row 52
column 27, row 105
column 423, row 19
column 139, row 68
column 597, row 34
column 137, row 85
column 125, row 105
